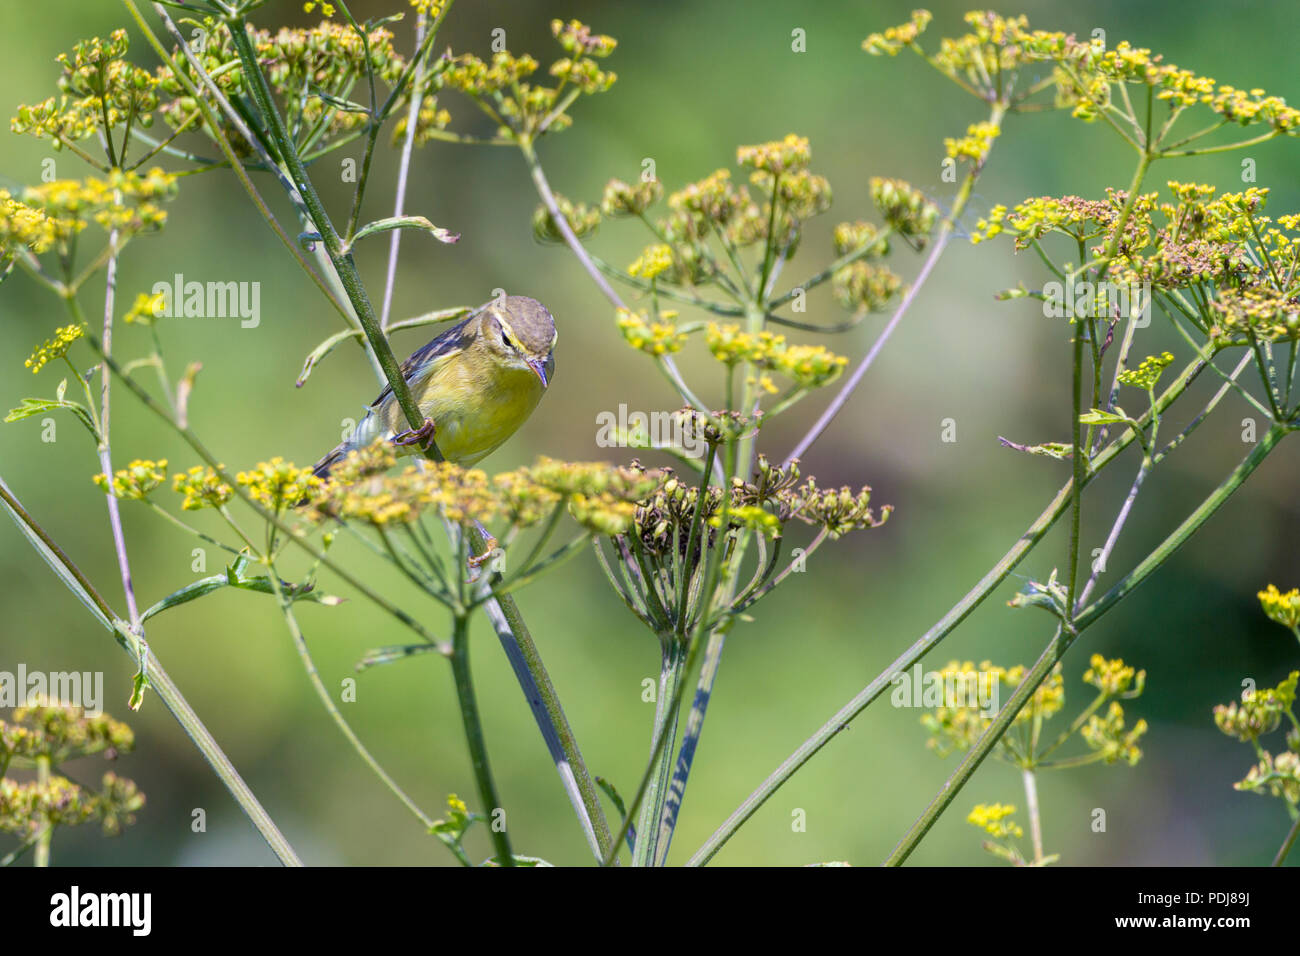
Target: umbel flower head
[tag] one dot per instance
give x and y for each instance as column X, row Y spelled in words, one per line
column 58, row 733
column 99, row 92
column 62, row 732
column 135, row 481
column 956, row 725
column 524, row 109
column 599, row 496
column 1284, row 608
column 201, row 487
column 54, row 348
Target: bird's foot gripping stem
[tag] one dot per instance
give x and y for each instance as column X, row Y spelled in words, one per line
column 421, row 436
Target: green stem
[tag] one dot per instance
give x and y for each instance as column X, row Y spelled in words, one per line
column 309, row 665
column 932, row 637
column 1289, row 842
column 975, row 756
column 646, row 852
column 1184, row 531
column 339, row 255
column 544, row 701
column 1061, row 641
column 474, row 737
column 162, row 685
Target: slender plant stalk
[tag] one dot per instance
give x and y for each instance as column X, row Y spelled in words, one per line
column 159, row 680
column 1289, row 842
column 1062, row 640
column 972, row 599
column 474, row 737
column 987, row 741
column 936, row 251
column 309, row 665
column 1035, row 815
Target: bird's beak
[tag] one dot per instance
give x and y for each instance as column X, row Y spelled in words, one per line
column 539, row 367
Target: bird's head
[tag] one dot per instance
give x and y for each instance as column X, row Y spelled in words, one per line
column 521, row 333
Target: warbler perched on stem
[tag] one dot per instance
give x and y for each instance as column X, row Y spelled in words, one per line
column 475, row 383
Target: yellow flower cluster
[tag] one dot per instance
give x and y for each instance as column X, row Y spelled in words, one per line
column 430, row 8
column 577, row 39
column 777, row 157
column 1260, row 710
column 809, row 366
column 975, row 145
column 54, row 348
column 146, row 308
column 202, row 488
column 471, row 75
column 28, row 227
column 1107, row 735
column 654, row 261
column 1113, row 677
column 125, row 201
column 753, row 517
column 61, row 731
column 896, row 38
column 714, row 198
column 106, row 91
column 136, row 481
column 955, row 728
column 599, row 496
column 995, row 820
column 277, row 483
column 1284, row 608
column 657, row 337
column 1147, row 374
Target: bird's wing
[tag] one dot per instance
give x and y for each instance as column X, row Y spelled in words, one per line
column 453, row 340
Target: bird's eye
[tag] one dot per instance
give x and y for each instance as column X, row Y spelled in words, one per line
column 505, row 339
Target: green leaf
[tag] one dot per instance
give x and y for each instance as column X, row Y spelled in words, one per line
column 37, row 406
column 1099, row 417
column 234, row 577
column 322, row 350
column 405, row 222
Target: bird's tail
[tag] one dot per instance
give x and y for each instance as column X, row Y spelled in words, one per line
column 361, row 436
column 323, row 467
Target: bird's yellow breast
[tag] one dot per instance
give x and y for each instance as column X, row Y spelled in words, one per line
column 474, row 402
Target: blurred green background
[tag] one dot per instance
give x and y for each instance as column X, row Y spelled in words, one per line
column 695, row 80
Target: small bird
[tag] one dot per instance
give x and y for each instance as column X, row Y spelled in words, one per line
column 475, row 383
